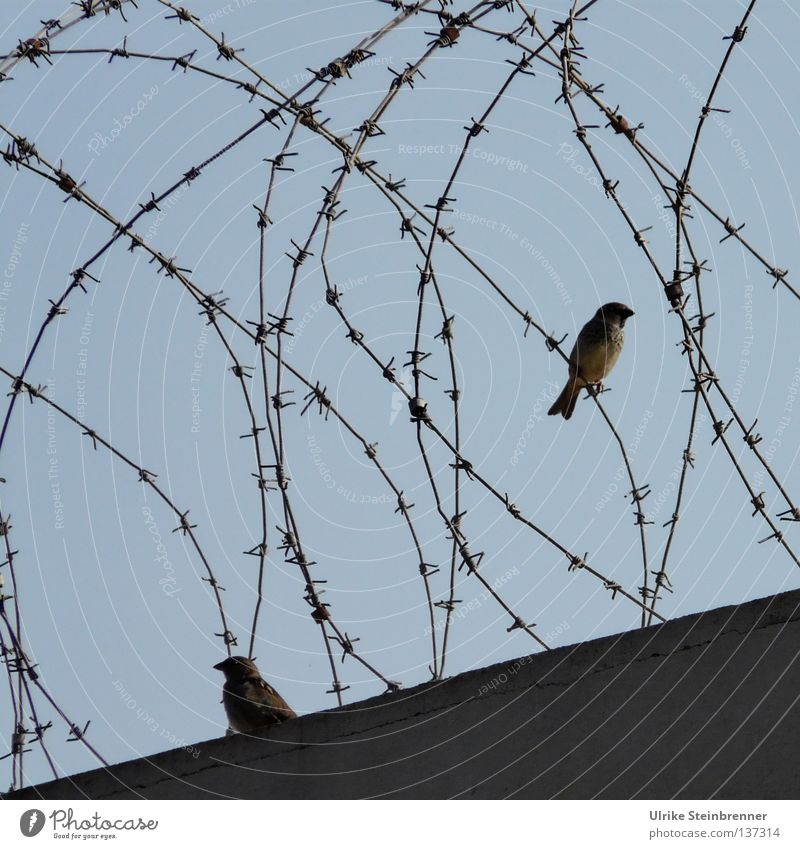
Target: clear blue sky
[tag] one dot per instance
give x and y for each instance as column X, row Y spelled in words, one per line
column 126, row 639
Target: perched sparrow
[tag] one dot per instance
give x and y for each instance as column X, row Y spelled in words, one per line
column 250, row 702
column 596, row 350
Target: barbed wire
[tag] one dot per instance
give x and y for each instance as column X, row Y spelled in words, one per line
column 418, row 404
column 681, row 232
column 692, row 336
column 291, row 115
column 17, row 662
column 21, row 153
column 38, row 45
column 237, row 370
column 370, row 127
column 620, row 125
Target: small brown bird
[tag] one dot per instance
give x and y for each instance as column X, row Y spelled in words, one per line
column 250, row 702
column 596, row 350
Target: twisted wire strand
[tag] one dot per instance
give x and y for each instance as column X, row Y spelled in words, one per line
column 328, row 213
column 38, row 45
column 21, row 149
column 212, row 306
column 620, row 126
column 681, row 232
column 692, row 342
column 653, row 162
column 637, row 493
column 24, row 154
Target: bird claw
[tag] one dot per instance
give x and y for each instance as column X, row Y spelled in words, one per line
column 594, row 389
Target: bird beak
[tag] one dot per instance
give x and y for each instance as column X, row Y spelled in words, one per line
column 629, row 313
column 220, row 665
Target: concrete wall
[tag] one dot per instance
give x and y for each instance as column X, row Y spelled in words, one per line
column 700, row 707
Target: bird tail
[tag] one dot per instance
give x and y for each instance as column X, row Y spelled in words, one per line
column 565, row 403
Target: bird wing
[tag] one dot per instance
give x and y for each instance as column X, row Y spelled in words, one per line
column 273, row 697
column 594, row 353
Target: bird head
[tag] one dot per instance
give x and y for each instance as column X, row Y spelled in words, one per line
column 237, row 668
column 614, row 312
